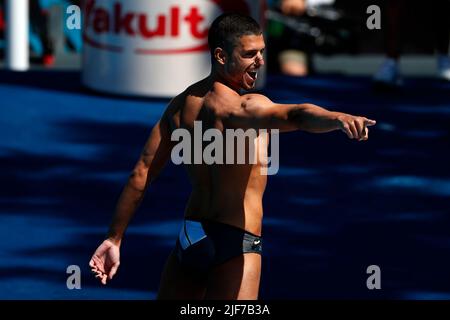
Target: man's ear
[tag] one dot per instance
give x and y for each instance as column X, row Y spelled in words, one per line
column 220, row 55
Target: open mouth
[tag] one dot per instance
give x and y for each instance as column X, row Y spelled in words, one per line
column 253, row 74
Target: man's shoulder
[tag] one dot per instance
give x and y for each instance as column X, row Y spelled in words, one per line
column 198, row 89
column 186, row 98
column 255, row 100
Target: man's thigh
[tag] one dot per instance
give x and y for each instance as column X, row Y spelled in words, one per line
column 177, row 283
column 237, row 278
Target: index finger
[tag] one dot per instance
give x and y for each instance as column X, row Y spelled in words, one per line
column 369, row 123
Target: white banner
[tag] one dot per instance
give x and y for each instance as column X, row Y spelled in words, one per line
column 151, row 48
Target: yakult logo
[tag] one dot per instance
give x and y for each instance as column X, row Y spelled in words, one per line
column 152, row 27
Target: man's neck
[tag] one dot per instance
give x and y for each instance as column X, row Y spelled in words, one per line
column 218, row 78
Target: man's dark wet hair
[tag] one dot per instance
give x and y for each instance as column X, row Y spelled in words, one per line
column 227, row 28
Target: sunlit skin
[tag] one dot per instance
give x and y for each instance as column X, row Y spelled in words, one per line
column 230, row 194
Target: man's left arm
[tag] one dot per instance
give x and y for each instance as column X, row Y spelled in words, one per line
column 315, row 119
column 259, row 111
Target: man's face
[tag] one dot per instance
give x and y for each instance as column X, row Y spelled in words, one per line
column 247, row 57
